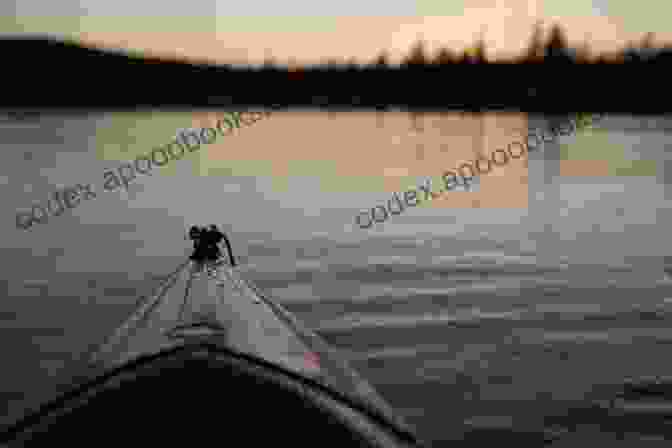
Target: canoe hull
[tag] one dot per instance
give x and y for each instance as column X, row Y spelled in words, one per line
column 219, row 306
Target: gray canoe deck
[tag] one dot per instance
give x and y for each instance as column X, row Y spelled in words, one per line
column 218, row 297
column 249, row 321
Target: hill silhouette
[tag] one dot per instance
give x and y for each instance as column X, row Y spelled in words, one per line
column 549, row 76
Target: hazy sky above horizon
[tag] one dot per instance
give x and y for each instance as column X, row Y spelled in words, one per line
column 215, row 30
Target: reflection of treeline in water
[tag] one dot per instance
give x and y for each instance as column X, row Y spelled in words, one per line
column 550, row 75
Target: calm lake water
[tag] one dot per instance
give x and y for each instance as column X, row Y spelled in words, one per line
column 485, row 338
column 501, row 308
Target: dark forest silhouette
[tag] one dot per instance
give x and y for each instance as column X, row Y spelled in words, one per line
column 548, row 76
column 552, row 49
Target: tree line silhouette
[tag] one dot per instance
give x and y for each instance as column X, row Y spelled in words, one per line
column 555, row 48
column 549, row 76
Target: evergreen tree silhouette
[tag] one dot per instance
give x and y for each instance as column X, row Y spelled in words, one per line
column 583, row 53
column 444, row 57
column 464, row 57
column 479, row 50
column 269, row 63
column 332, row 64
column 553, row 49
column 557, row 46
column 631, row 54
column 535, row 49
column 647, row 41
column 382, row 61
column 417, row 55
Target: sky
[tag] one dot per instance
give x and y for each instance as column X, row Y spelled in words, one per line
column 305, row 31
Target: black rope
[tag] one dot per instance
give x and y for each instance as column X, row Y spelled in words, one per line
column 187, row 288
column 229, row 250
